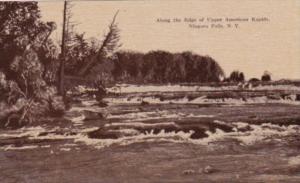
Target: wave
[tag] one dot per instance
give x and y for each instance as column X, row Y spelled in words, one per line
column 155, row 115
column 244, row 133
column 202, row 100
column 128, row 88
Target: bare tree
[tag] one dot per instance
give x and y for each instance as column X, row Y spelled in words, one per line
column 62, row 57
column 68, row 27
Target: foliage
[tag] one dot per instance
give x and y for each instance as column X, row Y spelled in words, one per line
column 76, row 54
column 108, row 46
column 236, row 76
column 83, row 54
column 21, row 29
column 254, row 80
column 27, row 55
column 266, row 76
column 165, row 67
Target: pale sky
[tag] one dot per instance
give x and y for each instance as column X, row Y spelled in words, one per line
column 252, row 48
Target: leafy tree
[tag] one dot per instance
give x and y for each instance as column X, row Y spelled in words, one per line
column 237, row 76
column 241, row 77
column 22, row 31
column 25, row 52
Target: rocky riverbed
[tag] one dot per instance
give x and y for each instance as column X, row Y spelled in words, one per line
column 166, row 136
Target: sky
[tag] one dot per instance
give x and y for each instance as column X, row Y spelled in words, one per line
column 254, row 47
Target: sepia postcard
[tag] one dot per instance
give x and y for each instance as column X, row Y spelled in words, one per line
column 149, row 91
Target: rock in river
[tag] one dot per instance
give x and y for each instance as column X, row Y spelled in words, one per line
column 91, row 115
column 207, row 170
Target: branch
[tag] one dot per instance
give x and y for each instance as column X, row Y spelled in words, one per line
column 109, row 44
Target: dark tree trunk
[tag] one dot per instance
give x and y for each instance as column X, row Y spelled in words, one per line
column 61, row 88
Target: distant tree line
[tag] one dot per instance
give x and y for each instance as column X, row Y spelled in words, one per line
column 164, row 67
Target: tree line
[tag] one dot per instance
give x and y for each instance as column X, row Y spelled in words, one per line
column 164, row 67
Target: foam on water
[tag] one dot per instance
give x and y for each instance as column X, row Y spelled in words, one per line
column 128, row 88
column 65, row 149
column 202, row 100
column 257, row 133
column 23, row 132
column 33, row 133
column 253, row 134
column 78, row 120
column 11, row 147
column 89, row 102
column 200, row 116
column 277, row 87
column 294, row 160
column 85, row 108
column 246, row 134
column 25, row 147
column 134, row 115
column 155, row 115
column 141, row 124
column 125, row 88
column 87, row 105
column 148, row 137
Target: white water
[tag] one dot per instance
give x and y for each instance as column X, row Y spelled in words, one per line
column 124, row 88
column 129, row 88
column 201, row 100
column 257, row 133
column 155, row 115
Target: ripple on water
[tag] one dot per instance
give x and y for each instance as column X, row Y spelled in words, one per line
column 139, row 132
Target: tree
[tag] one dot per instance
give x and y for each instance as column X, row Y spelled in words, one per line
column 61, row 87
column 241, row 77
column 24, row 41
column 237, row 76
column 76, row 54
column 108, row 46
column 24, row 44
column 266, row 76
column 21, row 29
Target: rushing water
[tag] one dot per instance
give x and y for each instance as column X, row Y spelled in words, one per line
column 174, row 137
